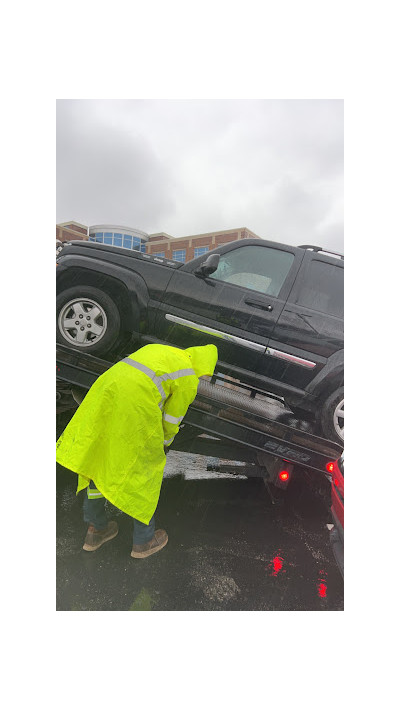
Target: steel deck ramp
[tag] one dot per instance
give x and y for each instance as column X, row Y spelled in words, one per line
column 223, row 421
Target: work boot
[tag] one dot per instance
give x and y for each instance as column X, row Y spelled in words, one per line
column 143, row 550
column 94, row 538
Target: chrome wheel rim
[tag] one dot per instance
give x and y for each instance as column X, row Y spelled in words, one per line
column 82, row 322
column 338, row 419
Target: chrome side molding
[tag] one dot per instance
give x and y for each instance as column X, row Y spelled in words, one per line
column 273, row 352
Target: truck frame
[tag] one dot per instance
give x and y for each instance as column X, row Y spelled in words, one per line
column 226, row 421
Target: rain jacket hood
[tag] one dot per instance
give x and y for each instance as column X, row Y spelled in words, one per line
column 203, row 359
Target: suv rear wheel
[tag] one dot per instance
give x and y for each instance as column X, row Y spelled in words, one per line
column 87, row 319
column 332, row 416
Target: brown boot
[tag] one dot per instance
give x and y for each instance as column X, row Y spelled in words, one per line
column 94, row 539
column 159, row 540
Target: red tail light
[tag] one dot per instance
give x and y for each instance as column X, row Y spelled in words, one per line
column 330, row 467
column 283, row 475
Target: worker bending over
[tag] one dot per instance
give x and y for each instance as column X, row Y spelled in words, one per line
column 117, row 439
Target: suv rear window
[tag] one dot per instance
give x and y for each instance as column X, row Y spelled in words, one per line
column 322, row 289
column 262, row 269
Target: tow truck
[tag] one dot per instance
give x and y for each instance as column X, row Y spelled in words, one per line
column 248, row 428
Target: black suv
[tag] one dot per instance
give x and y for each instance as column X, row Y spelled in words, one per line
column 274, row 311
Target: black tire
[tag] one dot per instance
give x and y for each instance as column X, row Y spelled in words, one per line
column 97, row 335
column 330, row 417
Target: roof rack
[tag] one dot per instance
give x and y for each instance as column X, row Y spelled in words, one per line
column 320, row 249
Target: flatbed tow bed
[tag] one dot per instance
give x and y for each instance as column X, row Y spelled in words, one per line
column 227, row 421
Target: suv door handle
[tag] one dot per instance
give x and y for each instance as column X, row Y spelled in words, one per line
column 259, row 304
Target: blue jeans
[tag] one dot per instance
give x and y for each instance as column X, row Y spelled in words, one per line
column 94, row 513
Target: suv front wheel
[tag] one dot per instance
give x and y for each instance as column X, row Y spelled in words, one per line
column 87, row 319
column 332, row 416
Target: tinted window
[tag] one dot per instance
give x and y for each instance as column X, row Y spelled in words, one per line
column 259, row 268
column 322, row 289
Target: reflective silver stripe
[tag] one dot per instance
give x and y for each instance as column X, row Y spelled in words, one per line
column 150, row 374
column 177, row 374
column 168, row 441
column 172, row 419
column 220, row 334
column 158, row 379
column 140, row 366
column 94, row 494
column 292, row 358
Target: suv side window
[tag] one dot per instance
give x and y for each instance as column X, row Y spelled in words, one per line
column 322, row 289
column 261, row 269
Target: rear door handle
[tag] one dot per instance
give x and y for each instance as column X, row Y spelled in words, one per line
column 259, row 304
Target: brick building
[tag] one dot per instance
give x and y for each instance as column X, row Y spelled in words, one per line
column 183, row 249
column 66, row 231
column 158, row 244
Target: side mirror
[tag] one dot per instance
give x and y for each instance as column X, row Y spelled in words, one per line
column 209, row 266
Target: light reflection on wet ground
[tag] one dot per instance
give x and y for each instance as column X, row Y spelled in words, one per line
column 229, row 548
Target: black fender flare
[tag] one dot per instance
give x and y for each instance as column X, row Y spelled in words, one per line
column 129, row 292
column 330, row 377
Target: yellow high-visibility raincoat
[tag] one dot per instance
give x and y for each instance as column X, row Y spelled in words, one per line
column 118, row 433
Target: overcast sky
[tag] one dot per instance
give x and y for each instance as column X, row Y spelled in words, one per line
column 190, row 166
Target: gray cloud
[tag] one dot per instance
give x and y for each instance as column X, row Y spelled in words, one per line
column 186, row 167
column 105, row 174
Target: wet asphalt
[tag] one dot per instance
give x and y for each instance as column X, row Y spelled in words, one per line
column 229, row 548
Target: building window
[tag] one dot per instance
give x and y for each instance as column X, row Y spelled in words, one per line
column 118, row 240
column 198, row 251
column 179, row 255
column 158, row 254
